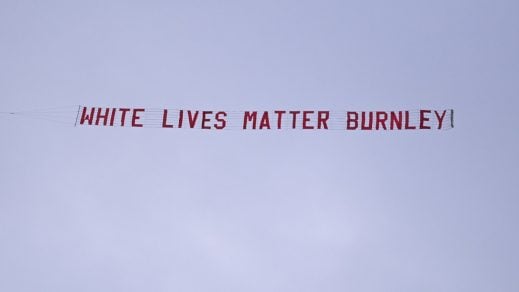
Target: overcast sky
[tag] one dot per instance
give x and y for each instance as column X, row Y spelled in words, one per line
column 125, row 209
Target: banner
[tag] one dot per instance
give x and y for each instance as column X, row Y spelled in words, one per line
column 264, row 120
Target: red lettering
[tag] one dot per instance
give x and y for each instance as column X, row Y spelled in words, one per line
column 192, row 118
column 221, row 120
column 205, row 119
column 407, row 119
column 322, row 119
column 440, row 118
column 396, row 121
column 135, row 117
column 306, row 119
column 112, row 117
column 280, row 117
column 180, row 118
column 352, row 120
column 164, row 120
column 381, row 120
column 100, row 116
column 365, row 126
column 424, row 119
column 265, row 122
column 89, row 118
column 123, row 115
column 294, row 118
column 248, row 117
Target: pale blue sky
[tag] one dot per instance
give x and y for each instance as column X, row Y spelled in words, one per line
column 116, row 209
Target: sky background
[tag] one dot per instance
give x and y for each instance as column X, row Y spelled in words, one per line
column 122, row 209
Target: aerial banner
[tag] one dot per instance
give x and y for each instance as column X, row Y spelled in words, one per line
column 264, row 120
